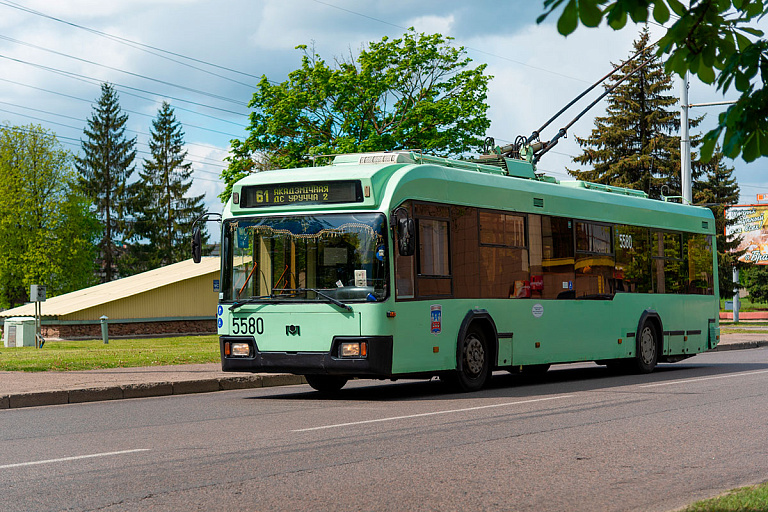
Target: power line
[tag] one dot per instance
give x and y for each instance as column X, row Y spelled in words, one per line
column 139, row 46
column 70, row 74
column 125, row 110
column 195, row 144
column 131, row 73
column 77, row 143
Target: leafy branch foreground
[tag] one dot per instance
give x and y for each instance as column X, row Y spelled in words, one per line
column 119, row 353
column 746, row 499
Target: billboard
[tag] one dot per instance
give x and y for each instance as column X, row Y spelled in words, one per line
column 751, row 224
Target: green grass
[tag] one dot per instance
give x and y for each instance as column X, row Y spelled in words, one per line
column 745, row 304
column 746, row 499
column 94, row 354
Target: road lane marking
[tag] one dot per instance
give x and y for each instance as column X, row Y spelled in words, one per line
column 395, row 418
column 686, row 381
column 79, row 457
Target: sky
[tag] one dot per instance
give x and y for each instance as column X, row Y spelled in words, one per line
column 205, row 58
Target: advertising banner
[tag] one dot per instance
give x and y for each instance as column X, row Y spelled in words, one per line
column 752, row 226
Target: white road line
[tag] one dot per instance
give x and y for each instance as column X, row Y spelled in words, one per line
column 64, row 459
column 686, row 381
column 507, row 404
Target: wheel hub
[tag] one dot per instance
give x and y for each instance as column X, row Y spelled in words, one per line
column 474, row 356
column 647, row 345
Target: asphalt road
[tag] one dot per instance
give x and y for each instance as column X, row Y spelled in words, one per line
column 578, row 439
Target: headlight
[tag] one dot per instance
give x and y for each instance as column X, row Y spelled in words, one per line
column 237, row 349
column 353, row 349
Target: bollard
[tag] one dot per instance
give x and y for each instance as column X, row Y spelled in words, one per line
column 104, row 329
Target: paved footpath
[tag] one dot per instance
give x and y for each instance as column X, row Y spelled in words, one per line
column 29, row 389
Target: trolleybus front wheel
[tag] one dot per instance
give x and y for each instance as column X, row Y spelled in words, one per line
column 474, row 367
column 326, row 383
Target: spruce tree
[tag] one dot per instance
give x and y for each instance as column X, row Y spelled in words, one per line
column 166, row 212
column 718, row 189
column 636, row 145
column 104, row 170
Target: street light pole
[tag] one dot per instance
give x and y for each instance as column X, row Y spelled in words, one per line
column 685, row 144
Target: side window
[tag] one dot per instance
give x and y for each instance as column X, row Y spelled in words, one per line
column 633, row 259
column 405, row 273
column 433, row 243
column 557, row 258
column 668, row 271
column 700, row 271
column 433, row 248
column 504, row 271
column 594, row 261
column 465, row 259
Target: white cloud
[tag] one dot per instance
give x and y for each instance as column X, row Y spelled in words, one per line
column 432, row 24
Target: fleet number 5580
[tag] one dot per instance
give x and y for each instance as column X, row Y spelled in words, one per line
column 250, row 325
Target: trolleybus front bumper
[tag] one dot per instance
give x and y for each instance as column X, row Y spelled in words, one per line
column 376, row 363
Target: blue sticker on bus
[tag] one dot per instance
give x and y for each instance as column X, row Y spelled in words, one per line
column 242, row 238
column 436, row 314
column 220, row 323
column 220, row 310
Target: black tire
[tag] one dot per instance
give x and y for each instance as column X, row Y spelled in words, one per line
column 474, row 366
column 326, row 383
column 647, row 349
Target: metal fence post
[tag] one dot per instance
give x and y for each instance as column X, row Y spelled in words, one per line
column 104, row 329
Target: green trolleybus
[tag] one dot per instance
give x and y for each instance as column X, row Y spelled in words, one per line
column 394, row 265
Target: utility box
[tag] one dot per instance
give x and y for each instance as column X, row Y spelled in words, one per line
column 19, row 331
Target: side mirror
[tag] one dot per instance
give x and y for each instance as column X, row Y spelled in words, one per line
column 197, row 245
column 406, row 239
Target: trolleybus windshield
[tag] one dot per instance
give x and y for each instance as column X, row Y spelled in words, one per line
column 306, row 258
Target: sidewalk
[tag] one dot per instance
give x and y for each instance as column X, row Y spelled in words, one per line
column 29, row 389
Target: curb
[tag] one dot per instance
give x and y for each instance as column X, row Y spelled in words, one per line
column 741, row 345
column 145, row 390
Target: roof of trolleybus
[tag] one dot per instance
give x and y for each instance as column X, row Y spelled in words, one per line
column 388, row 179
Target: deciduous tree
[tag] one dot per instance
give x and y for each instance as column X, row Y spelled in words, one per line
column 414, row 92
column 46, row 227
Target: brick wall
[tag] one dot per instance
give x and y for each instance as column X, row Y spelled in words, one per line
column 131, row 329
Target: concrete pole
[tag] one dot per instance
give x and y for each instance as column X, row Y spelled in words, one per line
column 685, row 144
column 736, row 295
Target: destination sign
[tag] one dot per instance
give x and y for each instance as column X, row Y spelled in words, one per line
column 316, row 192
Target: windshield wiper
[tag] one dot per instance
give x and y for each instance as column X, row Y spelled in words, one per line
column 321, row 294
column 249, row 300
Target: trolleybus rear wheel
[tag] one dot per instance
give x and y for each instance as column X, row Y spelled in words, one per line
column 647, row 349
column 326, row 383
